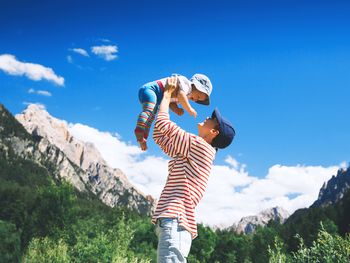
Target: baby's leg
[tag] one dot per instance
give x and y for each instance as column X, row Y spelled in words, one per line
column 145, row 119
column 148, row 99
column 150, row 121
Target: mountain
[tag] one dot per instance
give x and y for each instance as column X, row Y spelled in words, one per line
column 248, row 224
column 331, row 194
column 334, row 190
column 332, row 208
column 50, row 145
column 16, row 143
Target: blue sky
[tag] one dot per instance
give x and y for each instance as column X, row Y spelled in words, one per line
column 280, row 69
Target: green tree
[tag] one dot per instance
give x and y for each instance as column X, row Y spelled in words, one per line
column 47, row 250
column 231, row 247
column 343, row 209
column 145, row 240
column 97, row 240
column 262, row 239
column 306, row 222
column 203, row 245
column 10, row 245
column 53, row 209
column 277, row 253
column 327, row 248
column 15, row 202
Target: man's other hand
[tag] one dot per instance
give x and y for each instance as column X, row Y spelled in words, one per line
column 171, row 85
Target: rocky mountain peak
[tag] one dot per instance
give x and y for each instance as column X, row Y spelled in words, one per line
column 109, row 184
column 248, row 224
column 39, row 122
column 334, row 190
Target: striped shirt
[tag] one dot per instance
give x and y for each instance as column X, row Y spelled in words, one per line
column 188, row 172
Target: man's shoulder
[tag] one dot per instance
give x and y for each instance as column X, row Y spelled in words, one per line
column 202, row 145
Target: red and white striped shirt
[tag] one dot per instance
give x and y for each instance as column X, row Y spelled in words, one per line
column 189, row 170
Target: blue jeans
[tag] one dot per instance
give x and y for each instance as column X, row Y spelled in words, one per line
column 174, row 242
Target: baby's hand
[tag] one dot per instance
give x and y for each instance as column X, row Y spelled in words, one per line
column 193, row 112
column 179, row 111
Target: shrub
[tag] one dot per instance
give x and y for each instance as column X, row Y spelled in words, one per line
column 47, row 250
column 10, row 245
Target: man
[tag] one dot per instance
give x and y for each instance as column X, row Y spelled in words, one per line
column 189, row 170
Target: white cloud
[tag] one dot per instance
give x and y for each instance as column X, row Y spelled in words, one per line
column 80, row 51
column 105, row 40
column 10, row 65
column 232, row 162
column 40, row 92
column 232, row 192
column 69, row 59
column 146, row 173
column 106, row 52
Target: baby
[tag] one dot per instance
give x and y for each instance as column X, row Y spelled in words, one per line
column 198, row 89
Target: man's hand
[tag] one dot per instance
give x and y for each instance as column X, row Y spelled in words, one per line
column 170, row 85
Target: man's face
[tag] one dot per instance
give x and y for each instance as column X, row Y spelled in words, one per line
column 206, row 127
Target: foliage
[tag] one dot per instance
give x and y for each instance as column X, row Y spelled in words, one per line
column 262, row 239
column 58, row 223
column 277, row 254
column 45, row 220
column 144, row 241
column 53, row 208
column 95, row 242
column 343, row 217
column 305, row 222
column 47, row 250
column 231, row 247
column 10, row 245
column 327, row 248
column 10, row 127
column 203, row 246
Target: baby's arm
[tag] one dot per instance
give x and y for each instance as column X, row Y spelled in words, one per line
column 175, row 108
column 182, row 97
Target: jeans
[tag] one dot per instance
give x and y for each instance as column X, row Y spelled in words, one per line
column 174, row 242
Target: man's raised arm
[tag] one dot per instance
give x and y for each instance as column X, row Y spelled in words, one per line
column 167, row 134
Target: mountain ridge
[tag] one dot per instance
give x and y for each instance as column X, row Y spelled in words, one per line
column 248, row 224
column 109, row 185
column 334, row 189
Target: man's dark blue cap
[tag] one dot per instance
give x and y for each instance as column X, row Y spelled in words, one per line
column 226, row 131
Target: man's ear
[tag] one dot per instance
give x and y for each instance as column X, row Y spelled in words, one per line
column 214, row 132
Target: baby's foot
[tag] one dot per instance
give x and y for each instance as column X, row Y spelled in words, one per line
column 139, row 135
column 143, row 144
